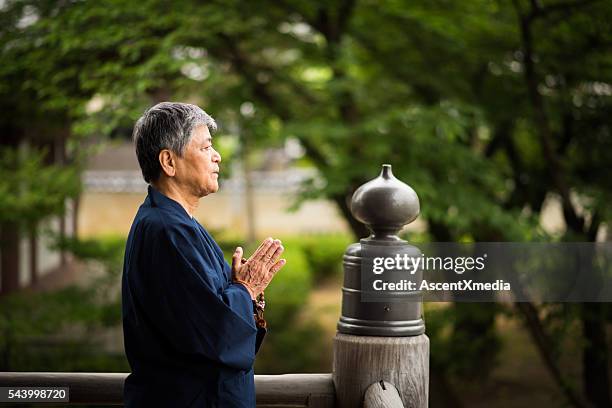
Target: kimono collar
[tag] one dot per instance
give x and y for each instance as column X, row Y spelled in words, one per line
column 161, row 201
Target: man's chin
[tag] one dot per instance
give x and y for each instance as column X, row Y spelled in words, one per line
column 211, row 190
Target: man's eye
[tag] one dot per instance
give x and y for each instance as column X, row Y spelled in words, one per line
column 207, row 147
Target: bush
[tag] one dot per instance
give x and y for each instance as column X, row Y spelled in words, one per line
column 56, row 331
column 291, row 345
column 324, row 255
column 289, row 290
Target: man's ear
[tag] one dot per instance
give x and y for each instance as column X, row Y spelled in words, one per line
column 167, row 162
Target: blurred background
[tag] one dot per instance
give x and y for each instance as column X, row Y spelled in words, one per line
column 498, row 114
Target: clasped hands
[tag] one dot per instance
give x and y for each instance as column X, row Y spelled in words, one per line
column 256, row 272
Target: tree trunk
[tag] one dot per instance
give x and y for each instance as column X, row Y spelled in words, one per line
column 9, row 257
column 9, row 230
column 59, row 158
column 33, row 255
column 595, row 375
column 542, row 343
column 75, row 216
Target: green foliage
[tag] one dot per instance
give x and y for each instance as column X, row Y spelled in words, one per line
column 58, row 330
column 290, row 288
column 324, row 255
column 54, row 331
column 446, row 101
column 107, row 250
column 30, row 190
column 292, row 348
column 293, row 344
column 459, row 345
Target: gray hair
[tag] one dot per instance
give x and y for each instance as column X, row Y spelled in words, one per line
column 167, row 125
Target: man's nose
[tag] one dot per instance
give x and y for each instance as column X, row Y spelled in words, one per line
column 216, row 157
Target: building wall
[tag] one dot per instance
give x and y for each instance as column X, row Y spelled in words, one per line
column 112, row 197
column 112, row 213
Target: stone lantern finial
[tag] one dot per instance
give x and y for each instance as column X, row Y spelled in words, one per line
column 385, row 205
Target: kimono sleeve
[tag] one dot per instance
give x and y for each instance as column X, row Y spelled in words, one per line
column 198, row 316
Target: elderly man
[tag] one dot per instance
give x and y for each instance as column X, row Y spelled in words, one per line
column 192, row 324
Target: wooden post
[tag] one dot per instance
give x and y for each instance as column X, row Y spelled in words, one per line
column 360, row 361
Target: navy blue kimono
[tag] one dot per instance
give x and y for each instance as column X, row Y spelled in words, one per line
column 190, row 335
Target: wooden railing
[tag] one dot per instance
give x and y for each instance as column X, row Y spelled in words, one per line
column 288, row 390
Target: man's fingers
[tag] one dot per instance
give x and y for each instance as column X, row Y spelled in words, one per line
column 276, row 267
column 269, row 254
column 236, row 258
column 276, row 255
column 263, row 243
column 263, row 248
column 258, row 248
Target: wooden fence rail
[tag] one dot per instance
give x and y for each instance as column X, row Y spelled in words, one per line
column 287, row 390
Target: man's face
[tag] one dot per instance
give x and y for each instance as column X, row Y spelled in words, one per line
column 198, row 170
